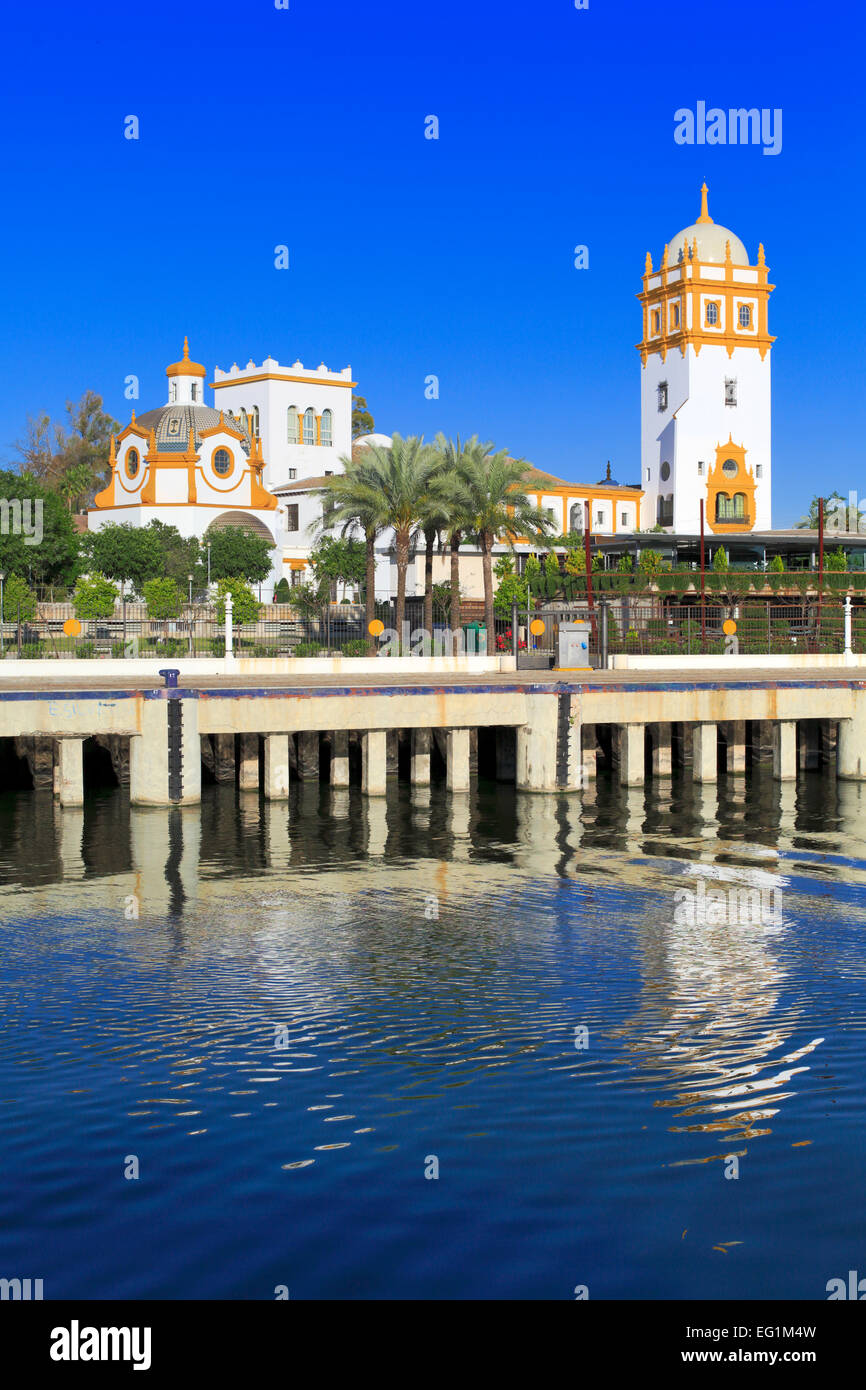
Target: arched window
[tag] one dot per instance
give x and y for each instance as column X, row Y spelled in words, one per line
column 309, row 426
column 222, row 462
column 132, row 463
column 244, row 419
column 576, row 517
column 723, row 507
column 740, row 506
column 172, row 392
column 745, row 315
column 294, row 428
column 712, row 314
column 327, row 433
column 254, row 421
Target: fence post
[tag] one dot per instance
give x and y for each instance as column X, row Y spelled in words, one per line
column 123, row 610
column 689, row 630
column 19, row 628
column 229, row 629
column 848, row 651
column 603, row 644
column 514, row 631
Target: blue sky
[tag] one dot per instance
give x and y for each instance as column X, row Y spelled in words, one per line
column 412, row 257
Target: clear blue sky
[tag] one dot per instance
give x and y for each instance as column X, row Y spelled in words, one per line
column 408, row 256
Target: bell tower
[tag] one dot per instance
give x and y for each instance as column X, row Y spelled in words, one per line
column 705, row 379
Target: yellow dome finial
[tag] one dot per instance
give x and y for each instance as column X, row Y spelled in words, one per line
column 705, row 214
column 185, row 348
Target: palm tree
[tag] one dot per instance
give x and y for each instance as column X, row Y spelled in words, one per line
column 434, row 518
column 456, row 502
column 353, row 500
column 401, row 472
column 498, row 508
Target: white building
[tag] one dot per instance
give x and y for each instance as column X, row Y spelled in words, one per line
column 705, row 383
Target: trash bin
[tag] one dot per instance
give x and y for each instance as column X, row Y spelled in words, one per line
column 475, row 639
column 573, row 652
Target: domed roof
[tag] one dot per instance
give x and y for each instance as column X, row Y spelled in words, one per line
column 172, row 423
column 607, row 481
column 710, row 237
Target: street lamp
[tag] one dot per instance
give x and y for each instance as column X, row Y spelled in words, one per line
column 189, row 577
column 208, row 564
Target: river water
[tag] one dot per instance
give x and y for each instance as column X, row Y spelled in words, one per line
column 287, row 1019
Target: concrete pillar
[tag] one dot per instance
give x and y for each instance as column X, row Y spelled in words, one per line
column 785, row 750
column 736, row 754
column 276, row 766
column 457, row 764
column 548, row 745
column 420, row 764
column 762, row 741
column 224, row 757
column 687, row 745
column 340, row 758
column 506, row 754
column 631, row 754
column 308, row 756
column 392, row 752
column 165, row 756
column 661, row 745
column 588, row 752
column 70, row 762
column 704, row 753
column 374, row 769
column 248, row 771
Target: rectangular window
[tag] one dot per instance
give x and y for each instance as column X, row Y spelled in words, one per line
column 700, row 469
column 663, row 395
column 623, row 519
column 599, row 518
column 293, row 473
column 656, row 320
column 730, row 391
column 675, row 316
column 759, row 470
column 296, row 577
column 292, row 517
column 648, row 475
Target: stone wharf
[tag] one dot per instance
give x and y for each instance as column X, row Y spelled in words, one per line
column 548, row 735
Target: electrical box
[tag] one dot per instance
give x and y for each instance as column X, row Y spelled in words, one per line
column 574, row 646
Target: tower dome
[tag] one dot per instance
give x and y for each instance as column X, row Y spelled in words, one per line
column 711, row 238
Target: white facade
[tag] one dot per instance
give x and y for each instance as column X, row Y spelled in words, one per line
column 705, row 384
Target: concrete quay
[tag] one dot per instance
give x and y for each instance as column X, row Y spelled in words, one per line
column 548, row 732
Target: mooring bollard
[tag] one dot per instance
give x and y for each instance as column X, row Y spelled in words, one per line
column 170, row 675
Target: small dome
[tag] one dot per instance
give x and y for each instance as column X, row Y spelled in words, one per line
column 710, row 237
column 171, row 425
column 607, row 481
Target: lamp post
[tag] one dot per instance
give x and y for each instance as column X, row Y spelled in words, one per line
column 2, row 633
column 189, row 577
column 208, row 564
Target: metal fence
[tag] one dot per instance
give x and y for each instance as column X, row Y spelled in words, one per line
column 642, row 625
column 198, row 630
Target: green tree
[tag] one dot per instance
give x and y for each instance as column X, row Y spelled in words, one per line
column 237, row 551
column 650, row 562
column 94, row 596
column 511, row 587
column 362, row 420
column 19, row 601
column 453, row 496
column 338, row 560
column 37, row 537
column 353, row 501
column 720, row 560
column 181, row 555
column 400, row 472
column 498, row 507
column 131, row 554
column 777, row 564
column 282, row 591
column 69, row 458
column 833, row 504
column 245, row 605
column 163, row 598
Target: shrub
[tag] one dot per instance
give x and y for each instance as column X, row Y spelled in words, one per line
column 94, row 597
column 307, row 649
column 85, row 650
column 31, row 651
column 18, row 600
column 218, row 646
column 163, row 598
column 356, row 647
column 245, row 605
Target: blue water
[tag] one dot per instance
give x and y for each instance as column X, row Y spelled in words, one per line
column 428, row 960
